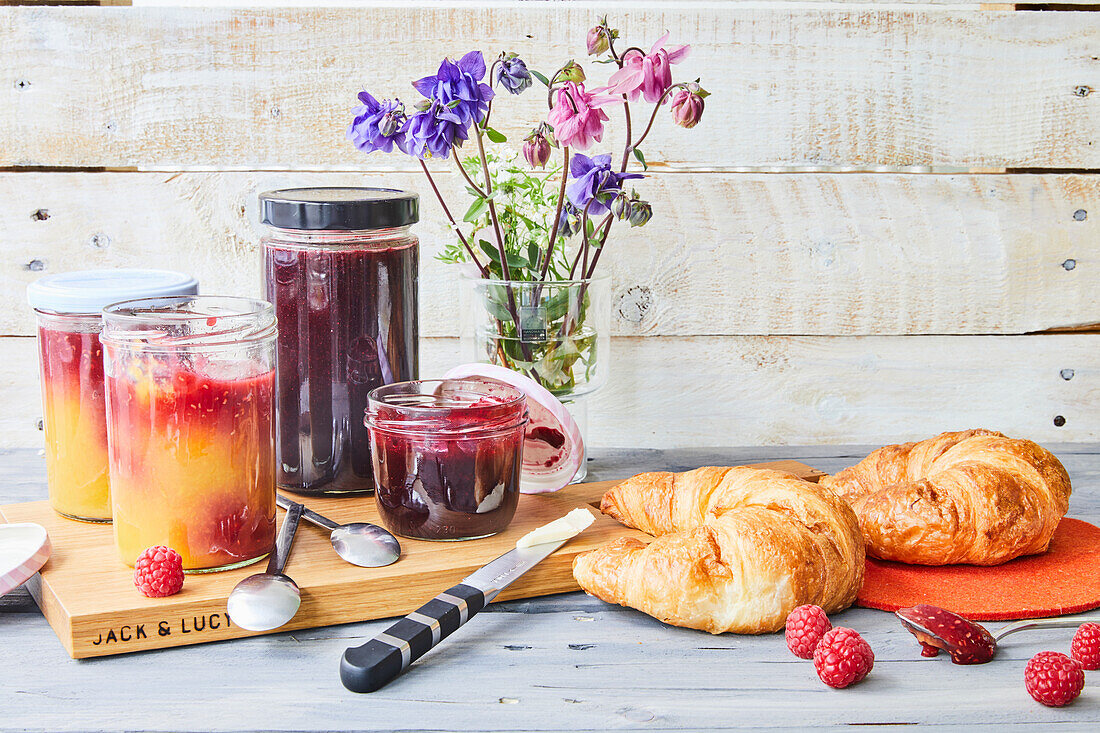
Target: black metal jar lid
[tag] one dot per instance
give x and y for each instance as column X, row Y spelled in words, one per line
column 339, row 208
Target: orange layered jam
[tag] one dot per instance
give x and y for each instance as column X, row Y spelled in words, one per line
column 192, row 464
column 74, row 419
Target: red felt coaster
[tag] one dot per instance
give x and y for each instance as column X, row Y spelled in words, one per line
column 1065, row 579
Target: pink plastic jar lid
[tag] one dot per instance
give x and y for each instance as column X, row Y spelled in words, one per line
column 552, row 448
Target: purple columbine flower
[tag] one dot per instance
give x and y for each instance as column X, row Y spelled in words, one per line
column 377, row 125
column 569, row 221
column 431, row 132
column 512, row 74
column 458, row 86
column 593, row 180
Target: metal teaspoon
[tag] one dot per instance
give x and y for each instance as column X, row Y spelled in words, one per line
column 362, row 544
column 267, row 600
column 1044, row 623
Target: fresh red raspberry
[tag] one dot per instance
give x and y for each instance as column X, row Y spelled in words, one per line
column 158, row 572
column 1086, row 646
column 843, row 658
column 1053, row 679
column 805, row 627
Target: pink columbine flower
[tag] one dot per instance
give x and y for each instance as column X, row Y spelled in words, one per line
column 687, row 108
column 577, row 116
column 649, row 74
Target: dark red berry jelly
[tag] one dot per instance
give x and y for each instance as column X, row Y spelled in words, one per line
column 347, row 324
column 447, row 456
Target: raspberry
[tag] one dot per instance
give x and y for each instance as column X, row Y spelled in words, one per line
column 1086, row 646
column 805, row 627
column 843, row 658
column 158, row 572
column 1053, row 679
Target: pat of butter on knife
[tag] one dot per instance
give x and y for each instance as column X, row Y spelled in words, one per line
column 568, row 526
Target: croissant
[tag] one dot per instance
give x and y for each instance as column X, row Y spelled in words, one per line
column 974, row 497
column 736, row 549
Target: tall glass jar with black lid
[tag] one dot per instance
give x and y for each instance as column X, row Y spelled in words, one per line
column 340, row 267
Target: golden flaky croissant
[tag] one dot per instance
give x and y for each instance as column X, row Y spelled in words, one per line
column 736, row 549
column 974, row 497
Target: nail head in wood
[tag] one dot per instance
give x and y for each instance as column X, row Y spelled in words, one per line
column 1069, row 264
column 99, row 241
column 40, row 215
column 1080, row 215
column 1082, row 90
column 1067, row 374
column 1059, row 421
column 35, row 266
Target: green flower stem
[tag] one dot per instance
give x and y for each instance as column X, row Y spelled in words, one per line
column 493, row 210
column 557, row 215
column 606, row 33
column 628, row 148
column 489, row 106
column 550, row 88
column 583, row 249
column 653, row 116
column 454, row 224
column 606, row 226
column 462, row 170
column 504, row 269
column 584, row 230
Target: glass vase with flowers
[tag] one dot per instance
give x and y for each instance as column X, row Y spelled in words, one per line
column 537, row 223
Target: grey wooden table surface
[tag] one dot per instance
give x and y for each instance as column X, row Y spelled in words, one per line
column 560, row 663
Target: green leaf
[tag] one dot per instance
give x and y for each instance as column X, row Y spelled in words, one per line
column 495, row 136
column 476, row 211
column 540, row 77
column 497, row 310
column 641, row 158
column 534, row 253
column 558, row 305
column 516, row 261
column 493, row 252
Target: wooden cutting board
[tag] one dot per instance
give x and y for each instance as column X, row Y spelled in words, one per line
column 89, row 598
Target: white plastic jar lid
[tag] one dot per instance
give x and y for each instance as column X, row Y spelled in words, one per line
column 89, row 291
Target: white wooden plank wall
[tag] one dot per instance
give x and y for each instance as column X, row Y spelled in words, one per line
column 805, row 278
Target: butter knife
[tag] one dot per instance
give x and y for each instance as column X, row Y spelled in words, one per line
column 371, row 666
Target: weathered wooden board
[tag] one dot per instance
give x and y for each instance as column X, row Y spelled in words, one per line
column 560, row 663
column 726, row 254
column 167, row 88
column 749, row 390
column 951, row 4
column 88, row 596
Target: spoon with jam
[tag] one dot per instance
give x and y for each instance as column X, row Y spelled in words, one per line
column 967, row 642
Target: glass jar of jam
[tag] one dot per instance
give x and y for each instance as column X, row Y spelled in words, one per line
column 67, row 306
column 447, row 456
column 340, row 267
column 191, row 427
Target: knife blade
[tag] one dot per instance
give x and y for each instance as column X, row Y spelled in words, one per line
column 371, row 666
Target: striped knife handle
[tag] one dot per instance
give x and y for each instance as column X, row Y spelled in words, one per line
column 371, row 666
